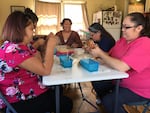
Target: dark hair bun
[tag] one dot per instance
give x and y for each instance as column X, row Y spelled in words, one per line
column 31, row 14
column 28, row 11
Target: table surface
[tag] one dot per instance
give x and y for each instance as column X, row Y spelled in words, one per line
column 77, row 73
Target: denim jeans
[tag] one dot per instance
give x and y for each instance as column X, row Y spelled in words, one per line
column 106, row 91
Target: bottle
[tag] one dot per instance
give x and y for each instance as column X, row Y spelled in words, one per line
column 86, row 33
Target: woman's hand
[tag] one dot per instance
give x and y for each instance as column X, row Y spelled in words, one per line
column 110, row 61
column 88, row 45
column 52, row 40
column 96, row 51
column 74, row 45
column 39, row 42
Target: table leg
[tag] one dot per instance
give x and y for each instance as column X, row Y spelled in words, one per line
column 57, row 94
column 116, row 96
column 86, row 100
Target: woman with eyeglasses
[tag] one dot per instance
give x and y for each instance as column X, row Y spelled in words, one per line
column 39, row 41
column 101, row 37
column 105, row 41
column 131, row 54
column 21, row 68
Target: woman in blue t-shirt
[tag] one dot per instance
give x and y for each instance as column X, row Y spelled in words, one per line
column 101, row 37
column 105, row 41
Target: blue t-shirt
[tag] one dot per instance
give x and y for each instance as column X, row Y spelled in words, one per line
column 106, row 43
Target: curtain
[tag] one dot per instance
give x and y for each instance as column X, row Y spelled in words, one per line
column 49, row 17
column 85, row 15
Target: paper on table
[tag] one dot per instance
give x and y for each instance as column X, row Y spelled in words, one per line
column 103, row 69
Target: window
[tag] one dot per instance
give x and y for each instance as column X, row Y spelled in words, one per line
column 51, row 14
column 75, row 15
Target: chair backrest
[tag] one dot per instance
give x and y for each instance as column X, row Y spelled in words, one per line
column 9, row 108
column 139, row 107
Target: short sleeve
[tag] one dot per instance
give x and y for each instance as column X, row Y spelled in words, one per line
column 138, row 54
column 16, row 54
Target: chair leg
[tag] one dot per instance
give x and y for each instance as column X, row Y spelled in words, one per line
column 146, row 107
column 9, row 106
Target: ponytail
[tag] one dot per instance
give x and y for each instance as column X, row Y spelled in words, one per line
column 147, row 24
column 143, row 20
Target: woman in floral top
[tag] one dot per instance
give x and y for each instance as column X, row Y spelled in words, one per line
column 21, row 65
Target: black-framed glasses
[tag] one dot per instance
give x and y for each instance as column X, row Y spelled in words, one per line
column 127, row 27
column 92, row 33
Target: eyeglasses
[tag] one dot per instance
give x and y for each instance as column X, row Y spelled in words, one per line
column 92, row 34
column 127, row 27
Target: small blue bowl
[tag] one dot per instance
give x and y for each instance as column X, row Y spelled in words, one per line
column 89, row 64
column 65, row 61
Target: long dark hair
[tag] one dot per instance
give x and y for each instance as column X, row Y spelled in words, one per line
column 140, row 19
column 95, row 27
column 14, row 27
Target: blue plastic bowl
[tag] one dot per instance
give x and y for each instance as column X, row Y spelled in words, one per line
column 89, row 64
column 65, row 61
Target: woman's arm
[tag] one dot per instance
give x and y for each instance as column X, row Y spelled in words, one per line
column 110, row 61
column 36, row 65
column 78, row 42
column 38, row 42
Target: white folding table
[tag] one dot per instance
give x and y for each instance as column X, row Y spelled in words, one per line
column 77, row 74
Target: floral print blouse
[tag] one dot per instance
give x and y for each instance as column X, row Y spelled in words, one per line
column 17, row 83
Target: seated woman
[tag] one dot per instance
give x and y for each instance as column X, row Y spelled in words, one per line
column 131, row 55
column 21, row 67
column 68, row 36
column 39, row 41
column 105, row 41
column 101, row 37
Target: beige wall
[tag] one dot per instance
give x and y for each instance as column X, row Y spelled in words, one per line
column 122, row 5
column 92, row 7
column 96, row 5
column 5, row 8
column 147, row 6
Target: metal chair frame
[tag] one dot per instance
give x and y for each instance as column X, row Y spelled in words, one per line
column 145, row 104
column 9, row 108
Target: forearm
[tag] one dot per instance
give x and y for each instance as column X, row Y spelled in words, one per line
column 38, row 43
column 36, row 65
column 100, row 60
column 114, row 62
column 48, row 59
column 79, row 42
